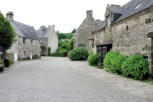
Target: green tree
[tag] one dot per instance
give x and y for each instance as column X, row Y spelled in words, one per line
column 60, row 35
column 7, row 33
column 73, row 31
column 68, row 35
column 70, row 44
column 64, row 35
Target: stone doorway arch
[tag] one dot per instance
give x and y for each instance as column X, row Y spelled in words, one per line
column 150, row 35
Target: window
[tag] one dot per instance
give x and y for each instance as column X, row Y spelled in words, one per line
column 24, row 54
column 127, row 28
column 147, row 21
column 24, row 40
column 31, row 42
column 81, row 45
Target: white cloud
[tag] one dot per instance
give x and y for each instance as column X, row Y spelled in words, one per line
column 64, row 14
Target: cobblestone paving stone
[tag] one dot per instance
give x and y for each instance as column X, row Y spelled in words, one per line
column 60, row 80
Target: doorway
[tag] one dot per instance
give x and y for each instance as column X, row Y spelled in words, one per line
column 102, row 50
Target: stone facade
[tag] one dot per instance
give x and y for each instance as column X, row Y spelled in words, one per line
column 128, row 36
column 48, row 38
column 26, row 43
column 84, row 32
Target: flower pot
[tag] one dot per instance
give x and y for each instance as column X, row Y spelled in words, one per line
column 6, row 63
column 1, row 68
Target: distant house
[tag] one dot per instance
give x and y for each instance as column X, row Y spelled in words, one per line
column 127, row 29
column 48, row 38
column 83, row 35
column 26, row 44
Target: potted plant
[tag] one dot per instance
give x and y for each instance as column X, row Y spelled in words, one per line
column 6, row 62
column 1, row 66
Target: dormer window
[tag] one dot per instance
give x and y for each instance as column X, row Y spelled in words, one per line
column 24, row 40
column 31, row 42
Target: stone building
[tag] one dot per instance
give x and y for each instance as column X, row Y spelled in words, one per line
column 84, row 32
column 48, row 38
column 26, row 44
column 126, row 29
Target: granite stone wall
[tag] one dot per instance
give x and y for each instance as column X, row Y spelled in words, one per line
column 27, row 49
column 84, row 32
column 129, row 36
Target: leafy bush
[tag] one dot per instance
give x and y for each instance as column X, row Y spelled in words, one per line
column 2, row 64
column 93, row 59
column 6, row 62
column 43, row 50
column 11, row 61
column 78, row 54
column 135, row 66
column 113, row 61
column 36, row 57
column 49, row 49
column 64, row 45
column 70, row 44
column 60, row 53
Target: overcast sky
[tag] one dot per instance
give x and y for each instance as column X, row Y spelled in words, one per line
column 64, row 14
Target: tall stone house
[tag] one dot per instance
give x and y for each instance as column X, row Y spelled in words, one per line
column 83, row 35
column 127, row 29
column 26, row 44
column 48, row 38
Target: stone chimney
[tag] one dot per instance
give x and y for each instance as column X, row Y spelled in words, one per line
column 49, row 27
column 42, row 28
column 10, row 16
column 89, row 14
column 53, row 27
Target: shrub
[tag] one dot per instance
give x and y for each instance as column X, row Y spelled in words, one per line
column 64, row 45
column 113, row 61
column 135, row 66
column 93, row 59
column 36, row 57
column 60, row 53
column 49, row 49
column 78, row 54
column 6, row 62
column 1, row 66
column 43, row 50
column 70, row 44
column 11, row 61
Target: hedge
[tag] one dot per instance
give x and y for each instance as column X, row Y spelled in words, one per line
column 135, row 66
column 93, row 59
column 113, row 61
column 78, row 54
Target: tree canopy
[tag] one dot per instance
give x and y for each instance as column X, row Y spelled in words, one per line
column 64, row 35
column 7, row 33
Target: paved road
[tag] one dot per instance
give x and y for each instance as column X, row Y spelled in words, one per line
column 60, row 80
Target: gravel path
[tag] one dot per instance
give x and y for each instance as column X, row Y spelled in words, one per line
column 60, row 80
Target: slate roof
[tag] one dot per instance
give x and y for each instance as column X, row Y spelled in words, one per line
column 116, row 9
column 43, row 33
column 24, row 30
column 135, row 6
column 100, row 25
column 127, row 10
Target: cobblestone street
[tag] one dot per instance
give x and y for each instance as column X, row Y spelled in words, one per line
column 60, row 80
